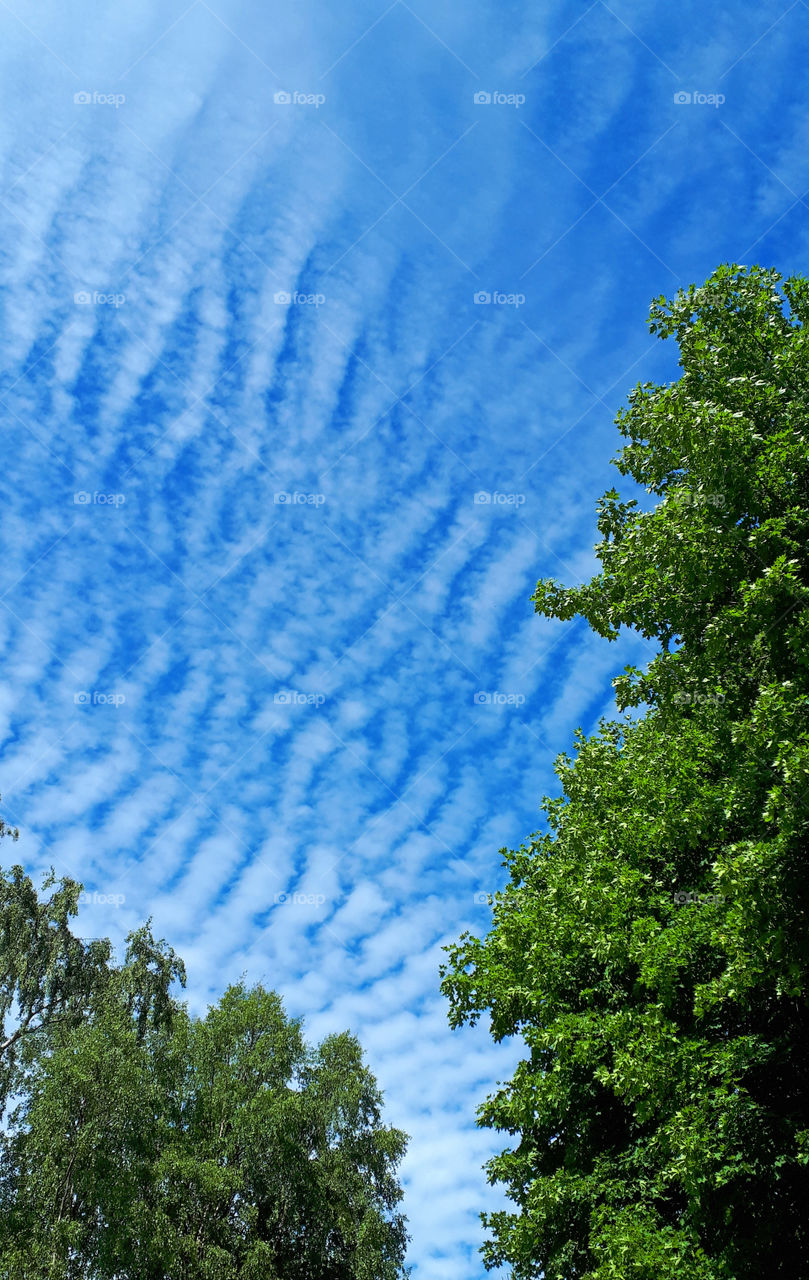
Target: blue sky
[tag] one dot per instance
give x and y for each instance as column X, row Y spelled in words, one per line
column 280, row 480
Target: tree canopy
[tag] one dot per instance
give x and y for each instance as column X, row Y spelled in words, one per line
column 144, row 1143
column 651, row 946
column 51, row 978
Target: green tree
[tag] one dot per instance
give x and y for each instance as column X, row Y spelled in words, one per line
column 200, row 1149
column 651, row 947
column 46, row 973
column 281, row 1166
column 71, row 1016
column 49, row 977
column 77, row 1187
column 146, row 1144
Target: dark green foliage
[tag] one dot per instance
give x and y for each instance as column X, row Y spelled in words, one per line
column 652, row 945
